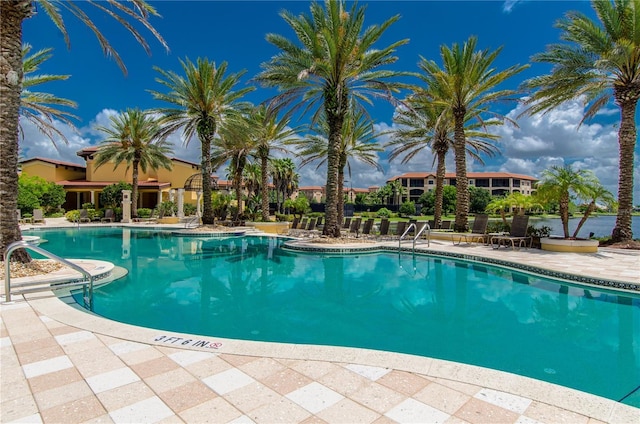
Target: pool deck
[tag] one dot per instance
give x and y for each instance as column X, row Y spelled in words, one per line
column 61, row 365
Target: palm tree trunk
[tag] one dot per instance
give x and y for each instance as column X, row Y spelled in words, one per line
column 461, row 223
column 440, row 174
column 340, row 196
column 564, row 213
column 335, row 122
column 207, row 210
column 590, row 208
column 627, row 139
column 264, row 187
column 13, row 13
column 134, row 189
column 237, row 183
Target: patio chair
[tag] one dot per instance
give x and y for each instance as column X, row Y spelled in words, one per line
column 293, row 226
column 347, row 223
column 84, row 216
column 445, row 225
column 400, row 227
column 420, row 226
column 22, row 220
column 518, row 234
column 367, row 227
column 37, row 216
column 355, row 226
column 109, row 216
column 384, row 228
column 478, row 231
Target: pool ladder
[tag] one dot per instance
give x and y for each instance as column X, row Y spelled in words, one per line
column 419, row 233
column 40, row 286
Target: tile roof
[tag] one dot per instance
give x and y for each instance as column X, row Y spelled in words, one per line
column 53, row 162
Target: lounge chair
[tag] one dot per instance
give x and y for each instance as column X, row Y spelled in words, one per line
column 355, row 226
column 518, row 234
column 109, row 216
column 347, row 223
column 84, row 216
column 384, row 228
column 21, row 220
column 478, row 231
column 445, row 225
column 37, row 216
column 367, row 227
column 420, row 227
column 401, row 226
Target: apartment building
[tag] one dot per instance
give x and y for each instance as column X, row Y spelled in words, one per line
column 497, row 183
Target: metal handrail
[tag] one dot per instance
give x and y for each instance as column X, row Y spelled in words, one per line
column 426, row 227
column 405, row 233
column 191, row 221
column 21, row 244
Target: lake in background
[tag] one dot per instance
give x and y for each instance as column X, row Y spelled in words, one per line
column 600, row 225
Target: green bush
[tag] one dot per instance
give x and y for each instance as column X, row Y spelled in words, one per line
column 408, row 209
column 144, row 213
column 383, row 213
column 189, row 209
column 111, row 195
column 36, row 193
column 72, row 216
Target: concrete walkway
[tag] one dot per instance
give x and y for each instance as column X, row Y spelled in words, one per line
column 61, row 365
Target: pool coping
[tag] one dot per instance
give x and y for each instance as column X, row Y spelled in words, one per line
column 67, row 312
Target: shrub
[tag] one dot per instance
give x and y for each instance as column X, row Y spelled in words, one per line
column 144, row 213
column 383, row 213
column 189, row 209
column 408, row 209
column 167, row 209
column 111, row 195
column 72, row 216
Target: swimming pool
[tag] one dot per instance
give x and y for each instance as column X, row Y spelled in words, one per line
column 250, row 288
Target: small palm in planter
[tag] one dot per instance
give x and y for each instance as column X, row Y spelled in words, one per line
column 564, row 184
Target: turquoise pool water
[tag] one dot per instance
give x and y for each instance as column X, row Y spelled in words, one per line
column 250, row 288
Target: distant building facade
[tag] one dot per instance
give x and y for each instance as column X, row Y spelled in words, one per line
column 497, row 183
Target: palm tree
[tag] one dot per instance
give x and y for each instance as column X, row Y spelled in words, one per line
column 234, row 143
column 285, row 178
column 42, row 108
column 271, row 134
column 133, row 138
column 423, row 124
column 14, row 12
column 600, row 62
column 358, row 142
column 561, row 184
column 464, row 87
column 336, row 63
column 202, row 101
column 594, row 193
column 501, row 205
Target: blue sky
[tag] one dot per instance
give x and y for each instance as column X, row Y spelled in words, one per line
column 235, row 32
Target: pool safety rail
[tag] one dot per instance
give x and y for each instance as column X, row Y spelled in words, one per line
column 38, row 286
column 418, row 234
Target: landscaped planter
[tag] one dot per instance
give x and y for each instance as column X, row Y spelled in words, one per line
column 169, row 220
column 271, row 227
column 568, row 245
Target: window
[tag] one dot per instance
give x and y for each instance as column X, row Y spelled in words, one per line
column 431, row 182
column 482, row 182
column 416, row 183
column 516, row 183
column 500, row 182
